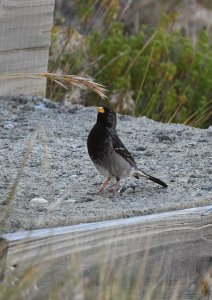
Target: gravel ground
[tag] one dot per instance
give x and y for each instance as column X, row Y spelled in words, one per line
column 56, row 184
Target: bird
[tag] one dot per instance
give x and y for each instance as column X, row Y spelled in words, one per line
column 109, row 155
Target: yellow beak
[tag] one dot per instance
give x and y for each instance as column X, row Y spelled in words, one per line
column 101, row 109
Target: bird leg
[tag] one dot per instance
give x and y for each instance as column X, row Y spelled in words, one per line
column 104, row 185
column 116, row 186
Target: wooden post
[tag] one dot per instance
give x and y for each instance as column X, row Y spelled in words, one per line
column 24, row 44
column 175, row 247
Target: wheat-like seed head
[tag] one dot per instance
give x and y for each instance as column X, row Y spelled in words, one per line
column 65, row 81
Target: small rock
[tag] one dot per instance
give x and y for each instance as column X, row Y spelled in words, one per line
column 40, row 105
column 73, row 176
column 8, row 125
column 206, row 188
column 176, row 150
column 191, row 144
column 84, row 199
column 184, row 179
column 122, row 189
column 129, row 191
column 70, row 200
column 192, row 179
column 20, row 100
column 50, row 104
column 147, row 154
column 140, row 148
column 163, row 138
column 132, row 185
column 202, row 141
column 125, row 118
column 73, row 108
column 193, row 176
column 39, row 201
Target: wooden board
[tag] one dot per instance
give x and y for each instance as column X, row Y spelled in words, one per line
column 176, row 244
column 24, row 44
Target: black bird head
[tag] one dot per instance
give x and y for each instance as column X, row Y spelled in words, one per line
column 106, row 117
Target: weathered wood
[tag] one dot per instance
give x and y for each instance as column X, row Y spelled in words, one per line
column 181, row 241
column 3, row 255
column 24, row 44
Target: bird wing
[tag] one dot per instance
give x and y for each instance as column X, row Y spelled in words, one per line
column 122, row 150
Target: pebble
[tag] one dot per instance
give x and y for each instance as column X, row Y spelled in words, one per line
column 8, row 125
column 50, row 104
column 40, row 105
column 73, row 176
column 163, row 138
column 70, row 200
column 206, row 188
column 122, row 188
column 140, row 148
column 184, row 180
column 39, row 201
column 125, row 118
column 84, row 199
column 129, row 191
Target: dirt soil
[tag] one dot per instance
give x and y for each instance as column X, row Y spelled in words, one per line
column 49, row 179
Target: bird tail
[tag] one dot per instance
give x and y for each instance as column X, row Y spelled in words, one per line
column 137, row 173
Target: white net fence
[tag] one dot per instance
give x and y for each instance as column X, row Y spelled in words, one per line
column 24, row 44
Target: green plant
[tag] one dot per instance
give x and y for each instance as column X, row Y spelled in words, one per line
column 169, row 77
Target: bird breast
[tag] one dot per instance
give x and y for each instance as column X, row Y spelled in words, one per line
column 113, row 164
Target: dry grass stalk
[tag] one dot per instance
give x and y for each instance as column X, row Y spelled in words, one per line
column 8, row 202
column 65, row 81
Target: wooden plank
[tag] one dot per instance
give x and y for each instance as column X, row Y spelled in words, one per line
column 181, row 240
column 24, row 44
column 3, row 255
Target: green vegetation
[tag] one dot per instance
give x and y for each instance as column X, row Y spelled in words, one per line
column 206, row 3
column 155, row 72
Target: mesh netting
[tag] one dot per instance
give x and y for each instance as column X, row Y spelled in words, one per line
column 24, row 44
